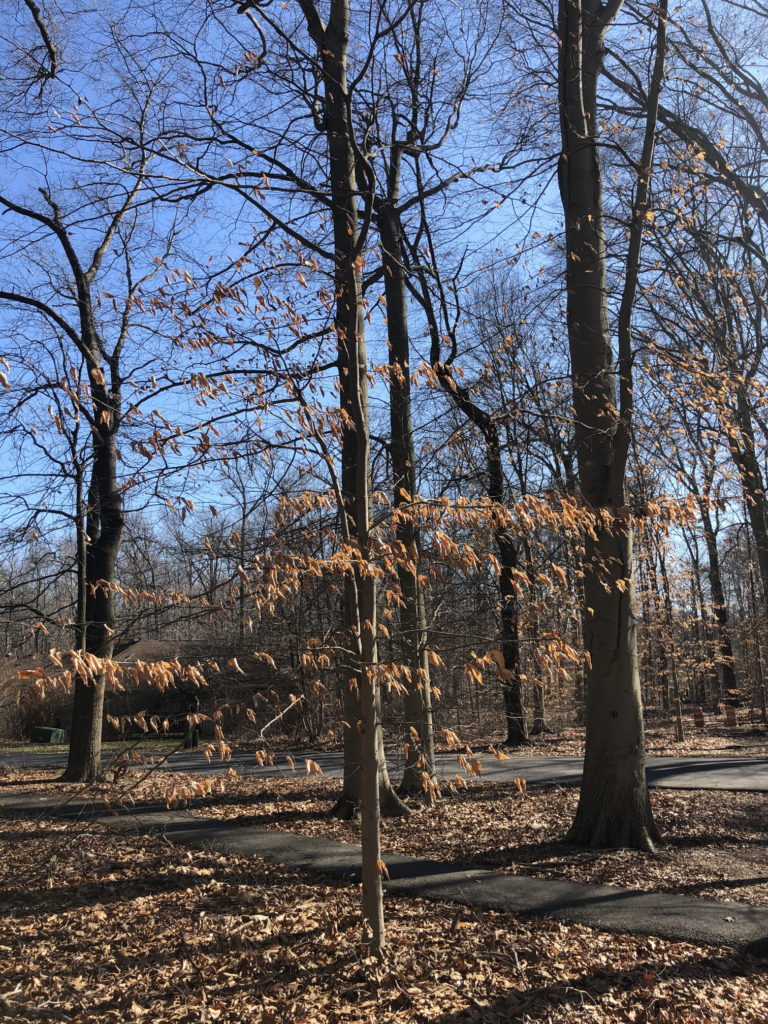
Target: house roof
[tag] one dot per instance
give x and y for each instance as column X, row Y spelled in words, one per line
column 234, row 665
column 185, row 651
column 191, row 652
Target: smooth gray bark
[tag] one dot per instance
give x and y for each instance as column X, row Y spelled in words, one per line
column 613, row 805
column 419, row 774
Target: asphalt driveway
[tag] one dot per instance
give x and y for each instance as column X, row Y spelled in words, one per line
column 671, row 772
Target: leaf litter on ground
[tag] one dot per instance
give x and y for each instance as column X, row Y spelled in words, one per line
column 115, row 928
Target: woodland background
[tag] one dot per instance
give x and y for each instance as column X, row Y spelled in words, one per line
column 211, row 306
column 413, row 352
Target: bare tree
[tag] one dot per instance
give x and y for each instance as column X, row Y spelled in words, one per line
column 69, row 238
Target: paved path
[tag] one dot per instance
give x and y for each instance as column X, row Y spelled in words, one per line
column 678, row 918
column 672, row 772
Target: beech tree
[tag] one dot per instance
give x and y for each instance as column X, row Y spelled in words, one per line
column 710, row 334
column 613, row 803
column 69, row 237
column 349, row 178
column 101, row 405
column 507, row 546
column 331, row 177
column 700, row 466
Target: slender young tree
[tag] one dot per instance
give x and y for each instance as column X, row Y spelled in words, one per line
column 506, row 542
column 411, row 117
column 419, row 736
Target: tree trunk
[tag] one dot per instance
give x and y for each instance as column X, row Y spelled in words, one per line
column 742, row 445
column 613, row 806
column 372, row 765
column 366, row 782
column 660, row 636
column 419, row 774
column 514, row 710
column 704, row 672
column 355, row 459
column 719, row 608
column 348, row 804
column 669, row 616
column 81, row 548
column 84, row 759
column 104, row 527
column 539, row 725
column 757, row 621
column 462, row 398
column 506, row 545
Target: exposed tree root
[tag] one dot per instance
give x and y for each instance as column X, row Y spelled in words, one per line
column 516, row 741
column 540, row 729
column 391, row 806
column 606, row 832
column 345, row 809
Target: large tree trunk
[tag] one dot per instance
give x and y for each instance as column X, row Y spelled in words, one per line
column 84, row 759
column 757, row 643
column 348, row 804
column 613, row 806
column 742, row 444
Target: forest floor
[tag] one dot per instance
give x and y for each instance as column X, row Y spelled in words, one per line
column 100, row 926
column 96, row 926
